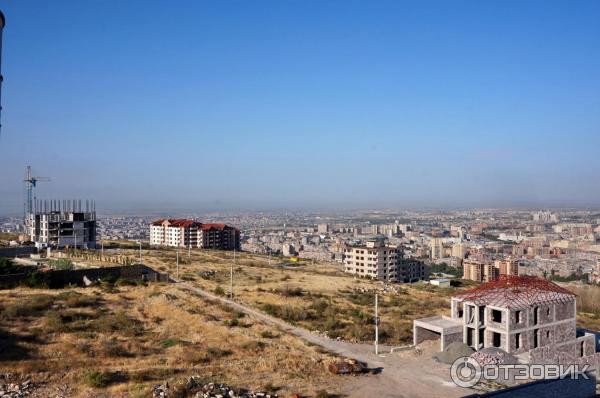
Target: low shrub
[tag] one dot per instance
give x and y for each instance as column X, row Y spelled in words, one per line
column 169, row 343
column 94, row 379
column 118, row 322
column 32, row 306
column 265, row 334
column 286, row 312
column 219, row 291
column 232, row 323
column 216, row 352
column 254, row 346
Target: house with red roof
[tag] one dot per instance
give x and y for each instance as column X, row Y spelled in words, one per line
column 193, row 234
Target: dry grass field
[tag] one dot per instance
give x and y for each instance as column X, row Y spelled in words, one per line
column 588, row 305
column 6, row 237
column 119, row 341
column 316, row 296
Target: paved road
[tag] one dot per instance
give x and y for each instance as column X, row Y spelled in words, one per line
column 403, row 374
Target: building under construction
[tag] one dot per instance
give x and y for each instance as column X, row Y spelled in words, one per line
column 62, row 224
column 525, row 316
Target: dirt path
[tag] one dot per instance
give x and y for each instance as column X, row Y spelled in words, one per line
column 409, row 373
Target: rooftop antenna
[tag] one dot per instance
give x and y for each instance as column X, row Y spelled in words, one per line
column 31, row 182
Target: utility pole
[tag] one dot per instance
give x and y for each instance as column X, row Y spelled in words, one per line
column 102, row 247
column 140, row 242
column 177, row 263
column 190, row 249
column 231, row 278
column 376, row 328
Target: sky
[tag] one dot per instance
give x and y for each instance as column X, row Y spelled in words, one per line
column 302, row 104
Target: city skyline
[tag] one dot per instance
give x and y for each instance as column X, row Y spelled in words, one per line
column 337, row 105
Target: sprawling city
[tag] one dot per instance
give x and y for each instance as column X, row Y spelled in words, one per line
column 173, row 225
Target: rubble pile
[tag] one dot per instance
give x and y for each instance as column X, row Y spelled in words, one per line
column 31, row 386
column 346, row 366
column 16, row 390
column 160, row 391
column 493, row 356
column 382, row 290
column 196, row 389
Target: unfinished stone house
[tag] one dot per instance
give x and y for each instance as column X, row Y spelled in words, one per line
column 531, row 318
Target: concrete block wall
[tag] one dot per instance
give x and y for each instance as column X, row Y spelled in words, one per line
column 421, row 334
column 488, row 338
column 565, row 331
column 455, row 307
column 451, row 338
column 546, row 335
column 568, row 353
column 565, row 310
column 523, row 319
column 525, row 343
column 545, row 315
column 498, row 325
column 590, row 344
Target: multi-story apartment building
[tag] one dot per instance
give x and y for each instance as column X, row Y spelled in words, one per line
column 479, row 271
column 437, row 248
column 485, row 271
column 183, row 233
column 323, row 228
column 60, row 224
column 410, row 270
column 546, row 217
column 218, row 236
column 507, row 266
column 459, row 250
column 190, row 233
column 376, row 260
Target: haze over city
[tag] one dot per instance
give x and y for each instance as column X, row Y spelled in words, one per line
column 273, row 105
column 299, row 199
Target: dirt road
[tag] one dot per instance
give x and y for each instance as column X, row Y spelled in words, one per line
column 408, row 373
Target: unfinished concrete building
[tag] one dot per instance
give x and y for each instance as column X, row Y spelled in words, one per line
column 376, row 260
column 62, row 223
column 531, row 318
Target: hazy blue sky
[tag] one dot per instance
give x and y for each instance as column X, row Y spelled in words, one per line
column 258, row 104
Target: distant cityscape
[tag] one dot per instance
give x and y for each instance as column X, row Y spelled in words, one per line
column 554, row 244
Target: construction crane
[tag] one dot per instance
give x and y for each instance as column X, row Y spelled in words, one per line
column 31, row 182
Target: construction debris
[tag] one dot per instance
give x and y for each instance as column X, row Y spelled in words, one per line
column 31, row 386
column 16, row 390
column 494, row 356
column 382, row 290
column 454, row 351
column 346, row 366
column 194, row 388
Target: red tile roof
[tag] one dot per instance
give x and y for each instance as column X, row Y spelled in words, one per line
column 187, row 223
column 177, row 222
column 516, row 292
